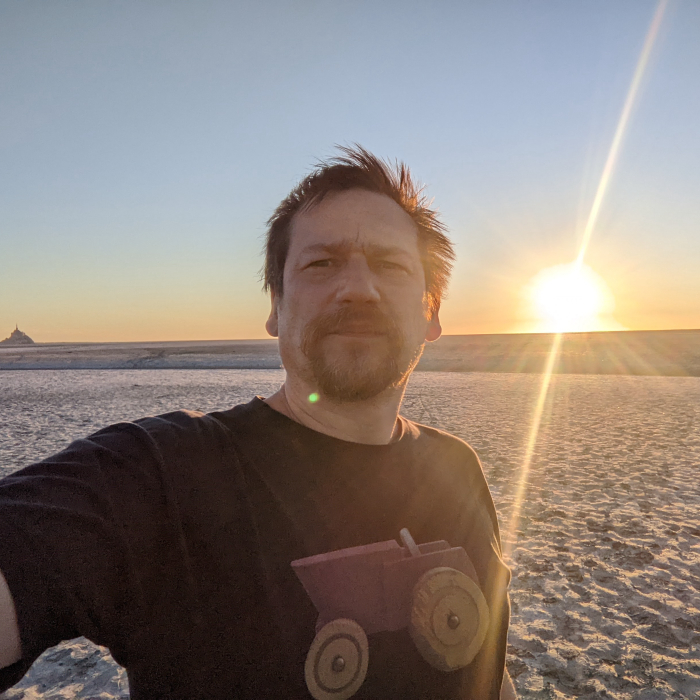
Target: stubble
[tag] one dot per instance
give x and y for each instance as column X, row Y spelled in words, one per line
column 365, row 367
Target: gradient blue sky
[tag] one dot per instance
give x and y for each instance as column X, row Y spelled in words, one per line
column 144, row 145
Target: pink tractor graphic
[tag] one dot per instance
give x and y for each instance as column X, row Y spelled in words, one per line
column 432, row 589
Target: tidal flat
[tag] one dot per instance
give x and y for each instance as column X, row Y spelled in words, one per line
column 665, row 353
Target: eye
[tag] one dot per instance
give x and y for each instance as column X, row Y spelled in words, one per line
column 390, row 265
column 324, row 262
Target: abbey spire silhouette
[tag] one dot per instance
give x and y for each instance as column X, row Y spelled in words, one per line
column 17, row 337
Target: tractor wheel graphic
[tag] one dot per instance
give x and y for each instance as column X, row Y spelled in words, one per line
column 336, row 664
column 449, row 618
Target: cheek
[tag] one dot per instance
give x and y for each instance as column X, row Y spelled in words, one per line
column 293, row 314
column 410, row 303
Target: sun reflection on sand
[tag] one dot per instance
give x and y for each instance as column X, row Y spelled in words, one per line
column 530, row 448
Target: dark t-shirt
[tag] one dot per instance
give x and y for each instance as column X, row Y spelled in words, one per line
column 169, row 541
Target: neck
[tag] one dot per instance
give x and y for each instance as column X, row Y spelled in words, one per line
column 372, row 422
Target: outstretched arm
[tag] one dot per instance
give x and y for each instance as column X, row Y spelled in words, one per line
column 10, row 649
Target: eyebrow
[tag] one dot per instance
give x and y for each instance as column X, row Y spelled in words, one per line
column 346, row 246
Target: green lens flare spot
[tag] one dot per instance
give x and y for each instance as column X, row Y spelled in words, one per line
column 313, row 398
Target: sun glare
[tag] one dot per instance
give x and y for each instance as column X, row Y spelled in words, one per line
column 571, row 298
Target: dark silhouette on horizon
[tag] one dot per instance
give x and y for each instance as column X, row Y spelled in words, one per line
column 17, row 337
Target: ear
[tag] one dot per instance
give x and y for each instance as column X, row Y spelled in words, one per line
column 271, row 325
column 434, row 330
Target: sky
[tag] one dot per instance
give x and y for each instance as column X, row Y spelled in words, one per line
column 145, row 144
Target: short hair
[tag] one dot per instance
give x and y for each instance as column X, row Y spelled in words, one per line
column 357, row 168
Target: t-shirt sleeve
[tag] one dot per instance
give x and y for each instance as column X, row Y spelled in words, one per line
column 475, row 524
column 489, row 665
column 81, row 534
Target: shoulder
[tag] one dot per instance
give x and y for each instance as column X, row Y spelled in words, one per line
column 180, row 429
column 442, row 444
column 144, row 448
column 186, row 425
column 455, row 466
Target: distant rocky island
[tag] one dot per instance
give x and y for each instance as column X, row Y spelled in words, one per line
column 17, row 338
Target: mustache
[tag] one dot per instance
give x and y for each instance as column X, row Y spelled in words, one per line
column 370, row 319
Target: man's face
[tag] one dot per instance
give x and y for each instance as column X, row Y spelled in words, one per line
column 353, row 318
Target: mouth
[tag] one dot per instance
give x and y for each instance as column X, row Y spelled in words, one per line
column 358, row 332
column 364, row 328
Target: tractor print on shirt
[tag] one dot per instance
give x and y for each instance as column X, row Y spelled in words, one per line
column 432, row 589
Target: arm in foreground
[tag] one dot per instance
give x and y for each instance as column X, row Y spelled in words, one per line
column 10, row 648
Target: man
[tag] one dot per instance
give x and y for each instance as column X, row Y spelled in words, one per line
column 170, row 540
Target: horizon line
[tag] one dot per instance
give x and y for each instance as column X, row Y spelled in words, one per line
column 452, row 335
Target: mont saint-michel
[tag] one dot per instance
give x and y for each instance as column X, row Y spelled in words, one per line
column 17, row 338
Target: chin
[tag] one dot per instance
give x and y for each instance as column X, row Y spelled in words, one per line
column 356, row 372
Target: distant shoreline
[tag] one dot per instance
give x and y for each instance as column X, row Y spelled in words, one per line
column 661, row 353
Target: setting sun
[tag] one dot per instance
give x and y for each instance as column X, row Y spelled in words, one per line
column 571, row 298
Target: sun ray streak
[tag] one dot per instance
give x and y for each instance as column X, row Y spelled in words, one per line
column 530, row 447
column 621, row 128
column 605, row 178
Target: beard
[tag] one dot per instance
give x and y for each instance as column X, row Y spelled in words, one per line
column 359, row 370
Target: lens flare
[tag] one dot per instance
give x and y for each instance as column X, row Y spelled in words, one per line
column 621, row 127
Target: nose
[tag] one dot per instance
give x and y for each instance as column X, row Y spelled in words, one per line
column 357, row 282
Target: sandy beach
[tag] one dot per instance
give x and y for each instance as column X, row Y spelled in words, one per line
column 605, row 552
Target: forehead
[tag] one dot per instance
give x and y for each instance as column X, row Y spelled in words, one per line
column 355, row 216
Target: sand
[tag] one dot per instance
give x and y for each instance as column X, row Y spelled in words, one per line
column 605, row 553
